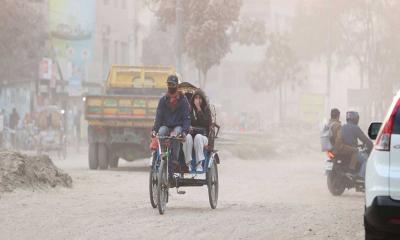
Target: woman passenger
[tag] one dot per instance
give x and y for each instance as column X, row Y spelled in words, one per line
column 201, row 120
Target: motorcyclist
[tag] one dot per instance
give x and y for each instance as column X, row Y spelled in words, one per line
column 350, row 134
column 335, row 125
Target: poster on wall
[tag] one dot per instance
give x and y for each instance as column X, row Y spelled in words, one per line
column 72, row 30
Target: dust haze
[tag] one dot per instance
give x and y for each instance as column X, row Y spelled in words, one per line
column 272, row 71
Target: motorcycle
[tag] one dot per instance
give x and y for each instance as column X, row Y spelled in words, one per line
column 340, row 177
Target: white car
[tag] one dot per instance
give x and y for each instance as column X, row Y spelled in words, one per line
column 382, row 179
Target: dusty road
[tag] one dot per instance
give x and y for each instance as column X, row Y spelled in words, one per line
column 283, row 198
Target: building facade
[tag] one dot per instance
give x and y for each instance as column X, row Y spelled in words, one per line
column 115, row 40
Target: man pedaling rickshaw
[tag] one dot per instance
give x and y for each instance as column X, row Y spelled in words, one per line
column 172, row 118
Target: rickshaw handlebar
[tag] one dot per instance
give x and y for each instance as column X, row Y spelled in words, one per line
column 198, row 128
column 170, row 138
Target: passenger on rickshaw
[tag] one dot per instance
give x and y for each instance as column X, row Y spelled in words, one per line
column 172, row 117
column 201, row 121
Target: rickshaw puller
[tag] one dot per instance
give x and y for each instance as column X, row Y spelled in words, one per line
column 172, row 117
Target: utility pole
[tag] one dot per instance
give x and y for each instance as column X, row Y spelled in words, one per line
column 179, row 35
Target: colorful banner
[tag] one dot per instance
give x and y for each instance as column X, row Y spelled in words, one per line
column 72, row 30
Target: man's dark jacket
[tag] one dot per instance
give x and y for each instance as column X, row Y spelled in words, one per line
column 351, row 133
column 173, row 116
column 201, row 119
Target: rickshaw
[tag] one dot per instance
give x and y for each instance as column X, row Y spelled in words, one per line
column 159, row 182
column 51, row 136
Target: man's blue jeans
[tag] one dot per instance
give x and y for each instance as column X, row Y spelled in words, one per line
column 175, row 145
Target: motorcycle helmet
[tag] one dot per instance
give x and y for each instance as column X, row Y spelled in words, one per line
column 353, row 117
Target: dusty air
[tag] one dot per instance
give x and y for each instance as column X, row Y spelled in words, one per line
column 200, row 119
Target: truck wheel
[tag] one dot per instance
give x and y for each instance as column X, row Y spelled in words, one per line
column 113, row 161
column 103, row 156
column 93, row 156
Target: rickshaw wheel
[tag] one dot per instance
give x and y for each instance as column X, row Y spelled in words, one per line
column 162, row 188
column 153, row 183
column 212, row 185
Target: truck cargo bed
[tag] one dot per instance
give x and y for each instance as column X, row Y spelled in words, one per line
column 121, row 110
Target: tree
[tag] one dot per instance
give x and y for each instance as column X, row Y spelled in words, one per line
column 385, row 60
column 359, row 31
column 22, row 38
column 206, row 26
column 249, row 32
column 317, row 33
column 206, row 45
column 279, row 68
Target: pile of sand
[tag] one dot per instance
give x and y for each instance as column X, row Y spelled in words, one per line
column 21, row 171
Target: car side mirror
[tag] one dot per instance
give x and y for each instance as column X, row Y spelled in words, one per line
column 373, row 130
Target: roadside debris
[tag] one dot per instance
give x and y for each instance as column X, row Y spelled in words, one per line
column 22, row 171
